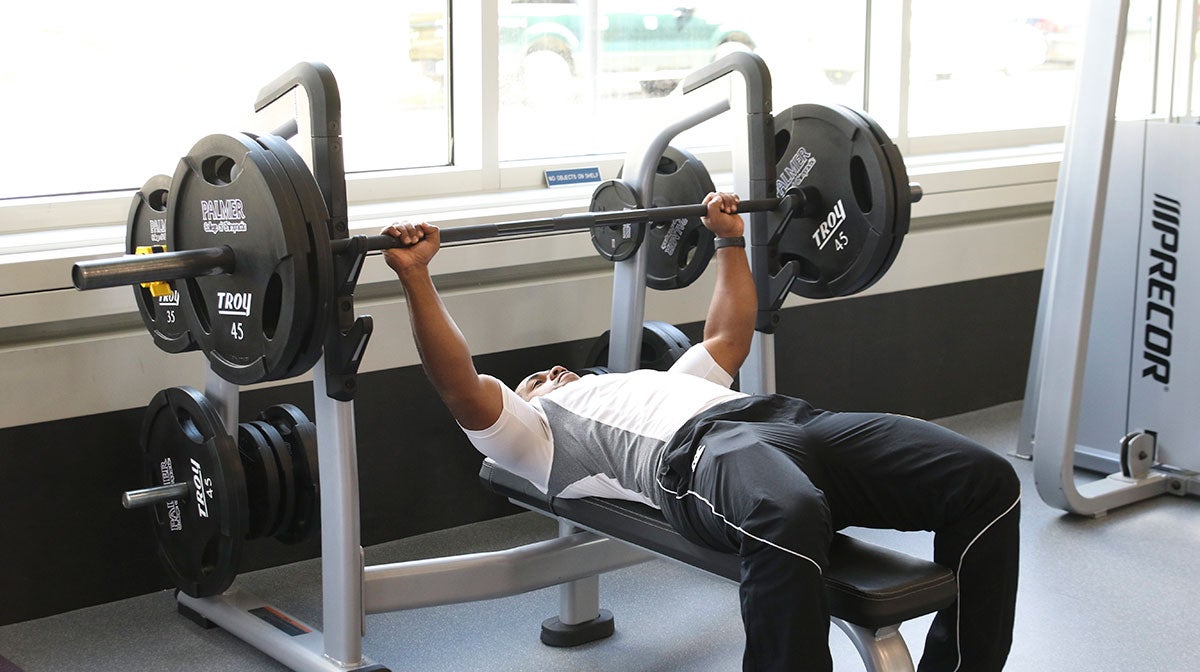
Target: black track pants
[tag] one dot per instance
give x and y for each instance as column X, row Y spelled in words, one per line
column 771, row 478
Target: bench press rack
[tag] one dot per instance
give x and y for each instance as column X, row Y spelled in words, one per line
column 871, row 589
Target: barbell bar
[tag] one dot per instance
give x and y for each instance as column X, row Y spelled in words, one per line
column 572, row 222
column 157, row 267
column 133, row 269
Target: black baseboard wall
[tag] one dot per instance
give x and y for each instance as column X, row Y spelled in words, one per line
column 66, row 542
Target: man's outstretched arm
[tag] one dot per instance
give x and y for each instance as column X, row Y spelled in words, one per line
column 474, row 401
column 729, row 326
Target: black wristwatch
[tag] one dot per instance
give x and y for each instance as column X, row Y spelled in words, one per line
column 733, row 241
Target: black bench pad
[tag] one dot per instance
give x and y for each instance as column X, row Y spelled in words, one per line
column 866, row 585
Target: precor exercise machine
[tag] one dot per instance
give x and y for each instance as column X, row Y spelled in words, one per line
column 310, row 279
column 1114, row 377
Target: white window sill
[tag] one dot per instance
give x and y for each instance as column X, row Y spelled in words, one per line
column 87, row 227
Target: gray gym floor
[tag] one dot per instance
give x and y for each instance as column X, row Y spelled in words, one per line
column 1114, row 594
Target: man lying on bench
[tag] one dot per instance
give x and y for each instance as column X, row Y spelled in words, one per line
column 769, row 478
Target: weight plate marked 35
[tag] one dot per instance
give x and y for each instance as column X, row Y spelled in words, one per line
column 147, row 227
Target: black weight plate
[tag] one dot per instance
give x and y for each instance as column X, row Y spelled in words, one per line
column 286, row 471
column 146, row 227
column 618, row 242
column 297, row 227
column 592, row 370
column 200, row 537
column 678, row 250
column 899, row 171
column 262, row 481
column 846, row 234
column 226, row 192
column 898, row 195
column 301, row 437
column 662, row 345
column 321, row 271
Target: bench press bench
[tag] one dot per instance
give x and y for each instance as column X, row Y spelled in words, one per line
column 871, row 590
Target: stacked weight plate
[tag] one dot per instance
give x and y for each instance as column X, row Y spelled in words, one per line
column 266, row 319
column 263, row 482
column 858, row 204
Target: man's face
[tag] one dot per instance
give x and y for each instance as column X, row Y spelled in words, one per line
column 542, row 382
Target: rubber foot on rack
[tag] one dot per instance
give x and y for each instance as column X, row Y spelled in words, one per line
column 557, row 633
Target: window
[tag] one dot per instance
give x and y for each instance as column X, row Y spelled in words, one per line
column 581, row 76
column 987, row 67
column 100, row 100
column 102, row 97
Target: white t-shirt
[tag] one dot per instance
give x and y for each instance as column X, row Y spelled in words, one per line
column 603, row 435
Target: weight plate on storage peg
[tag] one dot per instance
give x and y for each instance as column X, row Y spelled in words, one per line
column 678, row 251
column 621, row 241
column 252, row 322
column 263, row 490
column 662, row 345
column 846, row 234
column 284, row 469
column 199, row 538
column 147, row 227
column 301, row 437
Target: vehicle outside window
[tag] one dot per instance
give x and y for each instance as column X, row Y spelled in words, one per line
column 580, row 77
column 643, row 45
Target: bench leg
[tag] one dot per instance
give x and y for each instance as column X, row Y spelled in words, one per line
column 882, row 649
column 580, row 619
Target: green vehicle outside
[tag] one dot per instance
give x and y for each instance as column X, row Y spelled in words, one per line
column 650, row 44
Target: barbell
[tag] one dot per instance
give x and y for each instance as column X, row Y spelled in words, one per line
column 222, row 260
column 251, row 259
